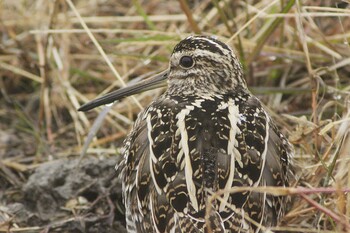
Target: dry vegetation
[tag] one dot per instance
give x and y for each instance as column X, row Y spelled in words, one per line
column 296, row 55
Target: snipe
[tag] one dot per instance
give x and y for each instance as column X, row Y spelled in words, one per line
column 206, row 133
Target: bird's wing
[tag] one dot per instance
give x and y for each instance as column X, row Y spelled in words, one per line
column 147, row 206
column 268, row 149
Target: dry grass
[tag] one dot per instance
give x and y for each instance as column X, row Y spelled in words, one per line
column 57, row 55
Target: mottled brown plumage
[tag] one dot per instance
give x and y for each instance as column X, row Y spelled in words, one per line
column 206, row 133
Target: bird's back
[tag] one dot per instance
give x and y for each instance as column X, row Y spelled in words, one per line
column 184, row 148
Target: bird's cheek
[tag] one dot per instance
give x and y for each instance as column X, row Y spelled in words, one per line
column 174, row 63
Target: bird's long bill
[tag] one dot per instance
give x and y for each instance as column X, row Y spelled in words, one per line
column 145, row 85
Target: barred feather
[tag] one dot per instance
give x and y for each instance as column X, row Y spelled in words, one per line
column 204, row 134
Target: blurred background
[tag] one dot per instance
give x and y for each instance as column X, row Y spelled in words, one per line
column 296, row 58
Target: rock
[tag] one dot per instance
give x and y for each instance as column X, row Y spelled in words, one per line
column 57, row 187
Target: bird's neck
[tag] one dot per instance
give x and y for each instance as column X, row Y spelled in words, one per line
column 184, row 93
column 193, row 88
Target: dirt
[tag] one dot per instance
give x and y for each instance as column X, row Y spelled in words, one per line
column 66, row 196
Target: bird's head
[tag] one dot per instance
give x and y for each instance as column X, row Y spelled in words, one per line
column 199, row 65
column 204, row 64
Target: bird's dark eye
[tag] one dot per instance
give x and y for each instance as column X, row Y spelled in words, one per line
column 186, row 62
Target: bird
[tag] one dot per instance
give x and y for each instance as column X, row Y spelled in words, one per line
column 205, row 134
